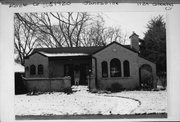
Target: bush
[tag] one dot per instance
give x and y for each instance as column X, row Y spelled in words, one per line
column 116, row 87
column 34, row 91
column 147, row 83
column 68, row 90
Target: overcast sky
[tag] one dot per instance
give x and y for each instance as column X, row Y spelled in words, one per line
column 131, row 21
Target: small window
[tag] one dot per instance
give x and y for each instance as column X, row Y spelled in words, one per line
column 32, row 70
column 115, row 68
column 126, row 68
column 104, row 69
column 40, row 69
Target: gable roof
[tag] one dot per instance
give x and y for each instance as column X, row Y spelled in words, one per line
column 53, row 52
column 124, row 46
column 65, row 50
column 87, row 50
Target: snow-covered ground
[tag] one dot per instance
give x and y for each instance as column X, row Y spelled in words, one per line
column 84, row 102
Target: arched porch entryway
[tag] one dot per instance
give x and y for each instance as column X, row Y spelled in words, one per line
column 145, row 77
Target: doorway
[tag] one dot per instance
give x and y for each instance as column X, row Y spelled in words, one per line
column 146, row 77
column 84, row 68
column 69, row 71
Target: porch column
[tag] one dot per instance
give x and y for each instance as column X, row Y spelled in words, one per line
column 92, row 84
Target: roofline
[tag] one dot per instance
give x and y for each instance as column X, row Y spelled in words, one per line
column 34, row 53
column 55, row 56
column 111, row 44
column 147, row 59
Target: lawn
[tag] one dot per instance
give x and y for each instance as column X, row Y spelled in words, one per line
column 83, row 102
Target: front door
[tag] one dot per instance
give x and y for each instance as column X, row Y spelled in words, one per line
column 83, row 74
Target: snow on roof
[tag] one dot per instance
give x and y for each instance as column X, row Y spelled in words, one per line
column 18, row 67
column 62, row 54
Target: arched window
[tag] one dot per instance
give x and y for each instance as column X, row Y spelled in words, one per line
column 104, row 67
column 115, row 68
column 32, row 70
column 126, row 68
column 40, row 69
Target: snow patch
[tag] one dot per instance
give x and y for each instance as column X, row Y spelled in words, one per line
column 83, row 102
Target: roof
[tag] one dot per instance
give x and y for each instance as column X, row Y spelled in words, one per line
column 74, row 51
column 86, row 50
column 125, row 46
column 62, row 54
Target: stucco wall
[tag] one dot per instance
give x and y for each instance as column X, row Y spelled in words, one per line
column 121, row 53
column 36, row 59
column 47, row 84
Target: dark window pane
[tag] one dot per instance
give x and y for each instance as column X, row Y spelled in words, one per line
column 40, row 69
column 104, row 69
column 32, row 70
column 115, row 68
column 126, row 68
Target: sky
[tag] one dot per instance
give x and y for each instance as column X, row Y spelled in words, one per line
column 130, row 21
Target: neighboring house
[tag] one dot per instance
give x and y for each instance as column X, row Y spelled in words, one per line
column 46, row 68
column 19, row 84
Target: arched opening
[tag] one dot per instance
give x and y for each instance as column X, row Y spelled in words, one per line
column 104, row 67
column 126, row 68
column 40, row 69
column 146, row 77
column 115, row 68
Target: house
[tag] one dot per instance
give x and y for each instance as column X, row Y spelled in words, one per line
column 53, row 69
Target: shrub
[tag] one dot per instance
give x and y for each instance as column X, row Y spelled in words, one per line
column 34, row 91
column 68, row 90
column 108, row 89
column 147, row 83
column 116, row 87
column 137, row 88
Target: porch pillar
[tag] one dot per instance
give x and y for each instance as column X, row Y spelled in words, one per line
column 92, row 83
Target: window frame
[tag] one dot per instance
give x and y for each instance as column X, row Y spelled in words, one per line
column 40, row 68
column 115, row 68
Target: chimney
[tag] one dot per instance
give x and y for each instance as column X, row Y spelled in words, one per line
column 134, row 41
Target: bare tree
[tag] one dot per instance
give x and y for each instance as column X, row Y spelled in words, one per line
column 57, row 29
column 71, row 29
column 24, row 40
column 71, row 26
column 97, row 34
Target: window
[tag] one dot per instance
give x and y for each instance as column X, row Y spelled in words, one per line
column 104, row 67
column 40, row 69
column 115, row 68
column 126, row 68
column 32, row 70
